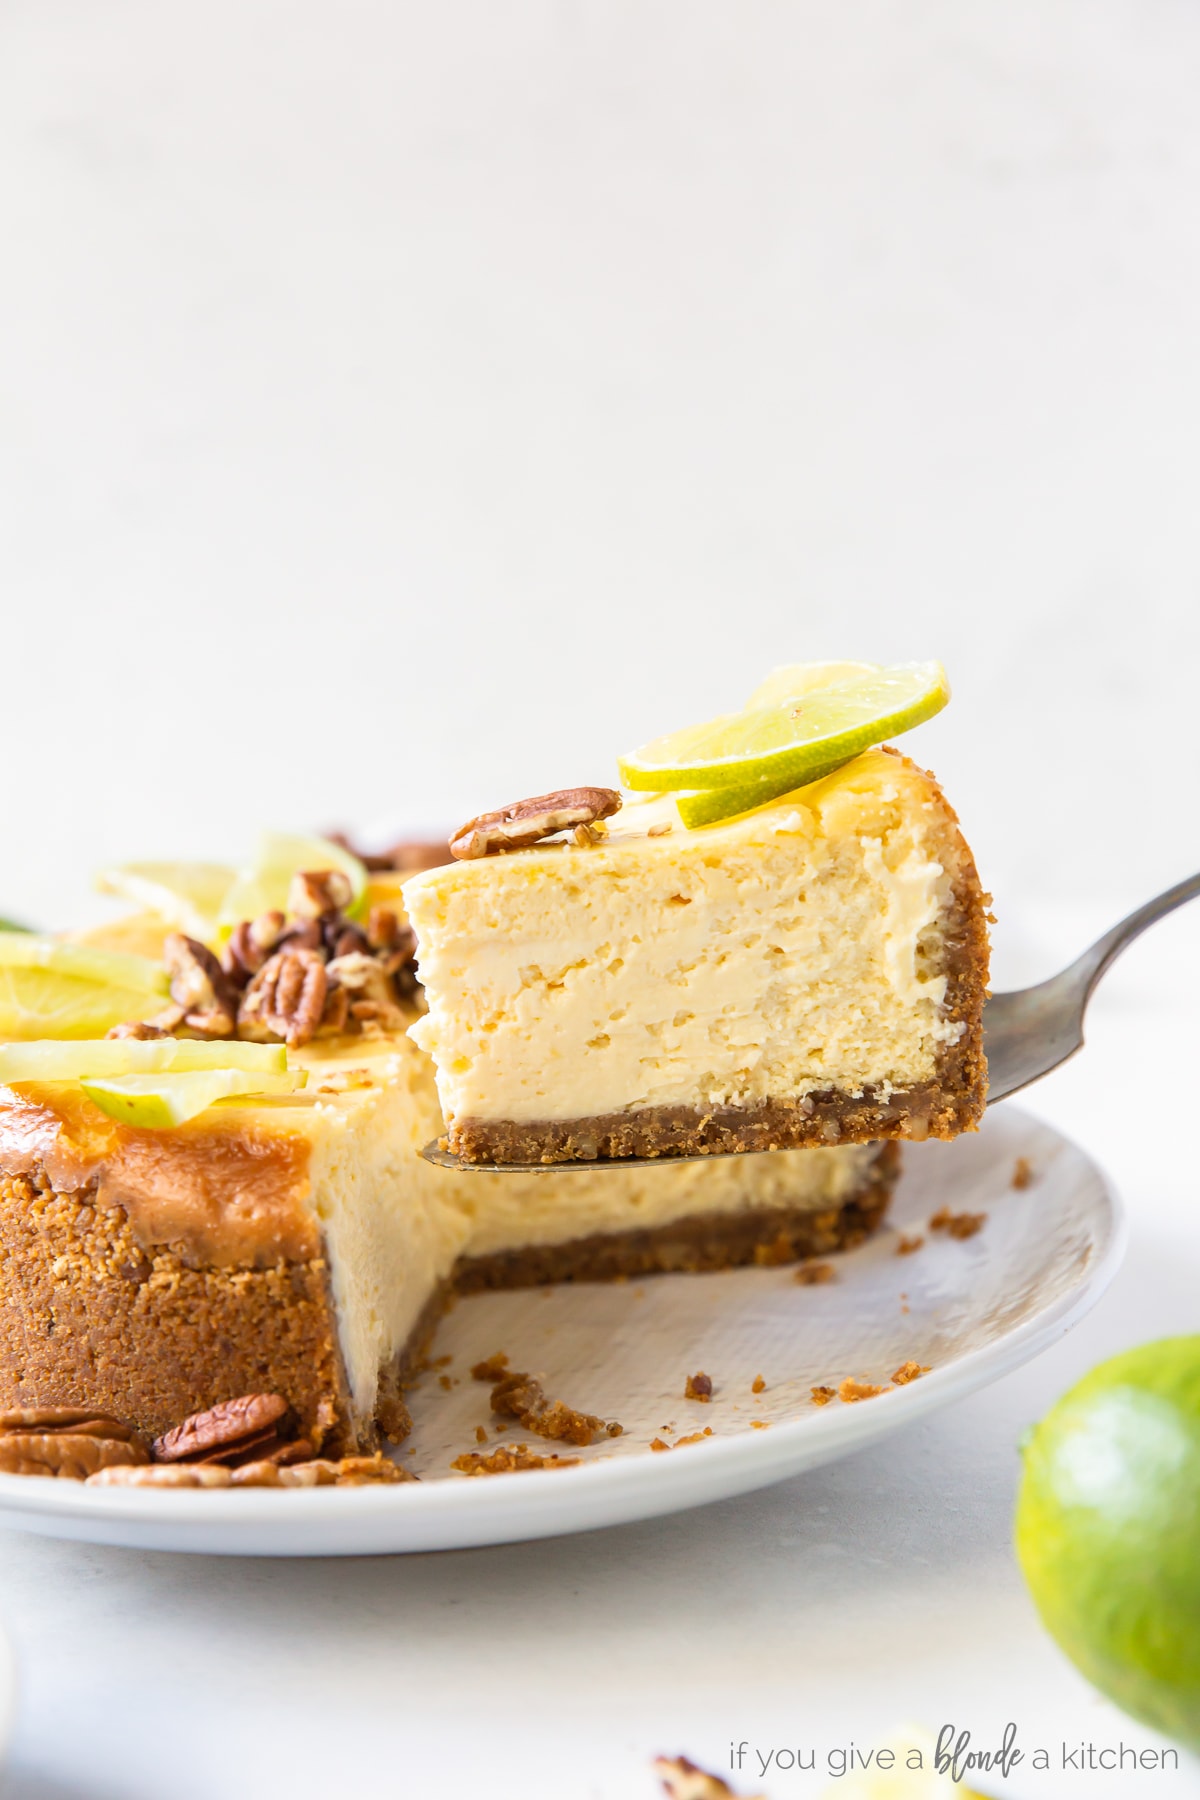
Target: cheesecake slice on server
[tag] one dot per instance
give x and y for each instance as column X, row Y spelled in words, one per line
column 811, row 972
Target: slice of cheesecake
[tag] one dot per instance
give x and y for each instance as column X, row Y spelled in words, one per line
column 810, row 973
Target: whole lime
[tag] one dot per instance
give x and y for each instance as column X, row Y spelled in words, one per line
column 1108, row 1531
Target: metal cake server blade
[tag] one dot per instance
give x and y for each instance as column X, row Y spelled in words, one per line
column 1025, row 1034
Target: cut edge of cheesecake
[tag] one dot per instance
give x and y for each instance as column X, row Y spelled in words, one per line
column 949, row 1103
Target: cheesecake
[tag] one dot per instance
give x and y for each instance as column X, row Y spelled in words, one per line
column 809, row 973
column 299, row 1244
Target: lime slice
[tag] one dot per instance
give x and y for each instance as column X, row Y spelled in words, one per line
column 791, row 680
column 110, row 968
column 157, row 1102
column 40, row 1003
column 187, row 895
column 50, row 988
column 713, row 804
column 789, row 743
column 264, row 887
column 52, row 1060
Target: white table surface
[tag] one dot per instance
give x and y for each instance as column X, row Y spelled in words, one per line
column 826, row 1609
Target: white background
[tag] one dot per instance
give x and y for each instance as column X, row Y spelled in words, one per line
column 404, row 408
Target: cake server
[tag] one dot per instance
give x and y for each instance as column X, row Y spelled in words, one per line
column 1025, row 1034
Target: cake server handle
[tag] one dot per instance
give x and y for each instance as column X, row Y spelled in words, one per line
column 1032, row 1030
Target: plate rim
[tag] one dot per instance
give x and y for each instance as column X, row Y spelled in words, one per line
column 515, row 1500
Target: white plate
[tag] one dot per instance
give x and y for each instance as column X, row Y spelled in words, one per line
column 976, row 1308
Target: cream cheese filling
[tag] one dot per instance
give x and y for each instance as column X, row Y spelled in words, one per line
column 793, row 950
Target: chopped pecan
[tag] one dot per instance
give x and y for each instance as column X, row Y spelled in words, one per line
column 318, row 893
column 409, row 857
column 286, row 999
column 249, row 946
column 227, row 1431
column 368, row 986
column 69, row 1455
column 140, row 1029
column 305, row 935
column 528, row 821
column 684, row 1780
column 200, row 986
column 343, row 938
column 698, row 1387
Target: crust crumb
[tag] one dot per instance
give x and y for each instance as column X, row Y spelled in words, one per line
column 507, row 1459
column 760, row 1424
column 1022, row 1175
column 698, row 1387
column 821, row 1396
column 908, row 1246
column 492, row 1368
column 815, row 1274
column 851, row 1390
column 521, row 1396
column 659, row 1444
column 757, row 1385
column 909, row 1371
column 957, row 1225
column 694, row 1437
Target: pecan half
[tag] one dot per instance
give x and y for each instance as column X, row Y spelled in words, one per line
column 83, row 1420
column 316, row 893
column 163, row 1475
column 286, row 999
column 529, row 821
column 228, row 1430
column 69, row 1455
column 200, row 986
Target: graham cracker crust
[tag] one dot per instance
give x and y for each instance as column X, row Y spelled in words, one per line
column 694, row 1245
column 951, row 1103
column 90, row 1317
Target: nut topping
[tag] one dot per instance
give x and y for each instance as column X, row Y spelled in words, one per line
column 529, row 821
column 69, row 1455
column 229, row 1432
column 286, row 999
column 317, row 893
column 76, row 1419
column 141, row 1030
column 367, row 987
column 200, row 986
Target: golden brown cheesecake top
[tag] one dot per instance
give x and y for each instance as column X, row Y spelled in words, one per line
column 225, row 1187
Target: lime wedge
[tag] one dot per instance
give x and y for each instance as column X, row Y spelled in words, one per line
column 264, row 887
column 791, row 680
column 789, row 743
column 111, row 968
column 710, row 805
column 157, row 1102
column 53, row 1060
column 188, row 895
